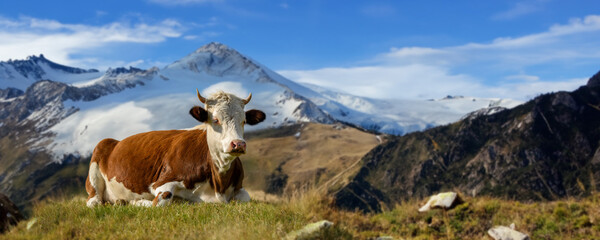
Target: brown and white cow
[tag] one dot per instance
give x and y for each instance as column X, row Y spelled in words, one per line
column 200, row 164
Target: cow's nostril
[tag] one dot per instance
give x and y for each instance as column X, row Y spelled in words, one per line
column 238, row 145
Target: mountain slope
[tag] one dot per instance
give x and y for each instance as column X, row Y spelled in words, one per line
column 547, row 148
column 21, row 74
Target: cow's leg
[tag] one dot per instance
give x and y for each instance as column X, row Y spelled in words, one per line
column 162, row 199
column 164, row 193
column 95, row 186
column 141, row 203
column 241, row 195
column 94, row 183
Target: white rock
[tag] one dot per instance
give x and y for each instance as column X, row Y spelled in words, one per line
column 31, row 223
column 385, row 238
column 506, row 233
column 442, row 200
column 310, row 231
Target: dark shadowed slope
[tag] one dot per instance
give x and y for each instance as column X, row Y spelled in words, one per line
column 547, row 148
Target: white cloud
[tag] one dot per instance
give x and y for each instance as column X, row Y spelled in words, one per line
column 404, row 82
column 424, row 82
column 203, row 36
column 524, row 77
column 504, row 67
column 83, row 130
column 518, row 10
column 378, row 10
column 135, row 63
column 31, row 36
column 232, row 87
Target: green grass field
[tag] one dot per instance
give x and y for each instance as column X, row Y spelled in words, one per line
column 71, row 219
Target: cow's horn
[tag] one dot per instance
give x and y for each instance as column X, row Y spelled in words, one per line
column 247, row 100
column 202, row 99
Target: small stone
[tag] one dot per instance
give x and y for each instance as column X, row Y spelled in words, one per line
column 31, row 223
column 385, row 238
column 506, row 233
column 310, row 231
column 445, row 200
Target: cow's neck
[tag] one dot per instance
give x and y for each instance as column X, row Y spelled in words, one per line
column 220, row 159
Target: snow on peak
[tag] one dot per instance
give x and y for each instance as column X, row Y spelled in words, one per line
column 21, row 74
column 215, row 47
column 218, row 60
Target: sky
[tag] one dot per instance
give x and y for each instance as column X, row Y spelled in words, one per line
column 380, row 49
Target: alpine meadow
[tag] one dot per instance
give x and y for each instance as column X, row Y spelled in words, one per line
column 225, row 119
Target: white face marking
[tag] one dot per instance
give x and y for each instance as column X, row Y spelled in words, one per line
column 225, row 124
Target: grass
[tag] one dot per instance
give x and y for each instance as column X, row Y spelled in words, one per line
column 71, row 219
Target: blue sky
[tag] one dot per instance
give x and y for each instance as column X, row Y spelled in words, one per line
column 381, row 49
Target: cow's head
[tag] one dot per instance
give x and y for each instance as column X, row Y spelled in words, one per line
column 225, row 119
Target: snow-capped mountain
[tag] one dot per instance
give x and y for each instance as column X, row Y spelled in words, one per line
column 21, row 74
column 397, row 116
column 74, row 109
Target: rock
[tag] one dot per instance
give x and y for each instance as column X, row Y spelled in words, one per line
column 9, row 213
column 31, row 223
column 445, row 200
column 507, row 233
column 310, row 231
column 385, row 238
column 565, row 99
column 594, row 80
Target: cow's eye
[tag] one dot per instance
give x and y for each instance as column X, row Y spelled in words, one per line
column 216, row 121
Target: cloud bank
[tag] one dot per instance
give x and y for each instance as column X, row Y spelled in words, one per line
column 507, row 67
column 31, row 36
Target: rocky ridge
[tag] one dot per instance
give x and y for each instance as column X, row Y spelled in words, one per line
column 547, row 148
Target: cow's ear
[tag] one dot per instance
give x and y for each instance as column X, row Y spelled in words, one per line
column 255, row 116
column 199, row 113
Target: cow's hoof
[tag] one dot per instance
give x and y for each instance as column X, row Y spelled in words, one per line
column 94, row 201
column 121, row 202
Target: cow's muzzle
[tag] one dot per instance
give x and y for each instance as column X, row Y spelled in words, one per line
column 238, row 146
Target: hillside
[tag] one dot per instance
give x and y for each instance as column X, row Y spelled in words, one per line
column 305, row 156
column 70, row 218
column 545, row 149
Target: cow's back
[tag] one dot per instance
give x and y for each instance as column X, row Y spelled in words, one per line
column 139, row 160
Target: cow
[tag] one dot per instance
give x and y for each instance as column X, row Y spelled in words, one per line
column 200, row 164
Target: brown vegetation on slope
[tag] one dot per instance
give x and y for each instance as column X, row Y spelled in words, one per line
column 285, row 160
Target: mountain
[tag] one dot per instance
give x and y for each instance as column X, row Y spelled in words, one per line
column 52, row 116
column 545, row 149
column 21, row 74
column 397, row 116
